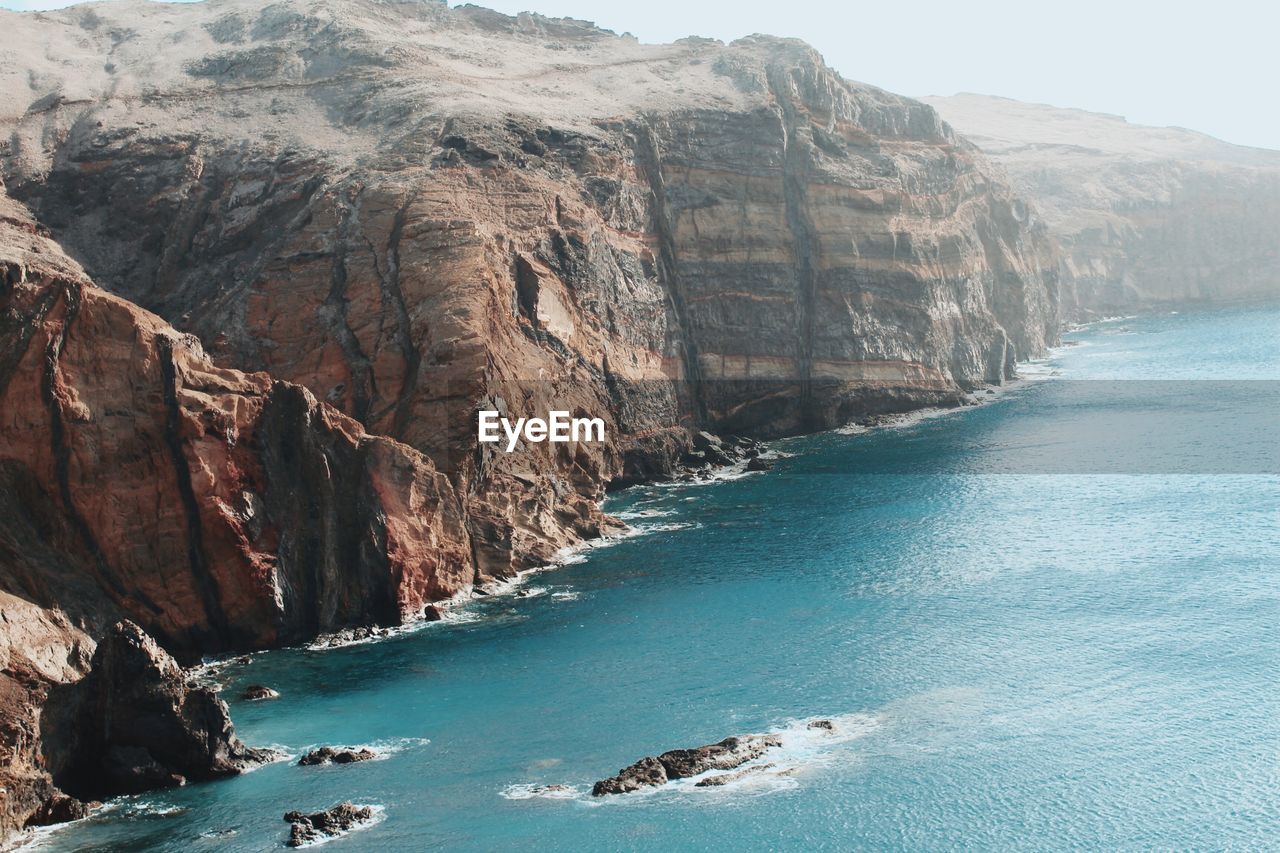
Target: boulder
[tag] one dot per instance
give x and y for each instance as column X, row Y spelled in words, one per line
column 330, row 823
column 341, row 755
column 728, row 754
column 259, row 692
column 648, row 772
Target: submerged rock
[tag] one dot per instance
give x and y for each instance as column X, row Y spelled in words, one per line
column 726, row 778
column 341, row 755
column 319, row 826
column 648, row 772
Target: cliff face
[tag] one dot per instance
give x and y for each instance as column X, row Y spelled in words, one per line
column 1144, row 216
column 223, row 510
column 411, row 210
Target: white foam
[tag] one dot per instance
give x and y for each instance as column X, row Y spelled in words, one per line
column 531, row 791
column 633, row 514
column 384, row 748
column 805, row 749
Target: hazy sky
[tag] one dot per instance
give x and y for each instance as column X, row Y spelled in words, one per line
column 1207, row 66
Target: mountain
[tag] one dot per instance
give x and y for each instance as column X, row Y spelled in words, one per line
column 264, row 264
column 1144, row 216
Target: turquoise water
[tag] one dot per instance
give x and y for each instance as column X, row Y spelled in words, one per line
column 1078, row 651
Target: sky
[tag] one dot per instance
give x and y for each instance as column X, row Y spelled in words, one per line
column 1206, row 66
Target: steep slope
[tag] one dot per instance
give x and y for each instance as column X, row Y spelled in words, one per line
column 1145, row 216
column 221, row 510
column 415, row 211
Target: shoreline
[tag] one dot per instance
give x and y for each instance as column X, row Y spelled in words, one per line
column 455, row 610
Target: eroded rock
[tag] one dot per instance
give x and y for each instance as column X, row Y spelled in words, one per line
column 336, row 755
column 330, row 823
column 730, row 753
column 134, row 724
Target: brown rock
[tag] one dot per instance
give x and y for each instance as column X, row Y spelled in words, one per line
column 283, row 517
column 133, row 724
column 728, row 754
column 648, row 772
column 330, row 823
column 340, row 755
column 259, row 692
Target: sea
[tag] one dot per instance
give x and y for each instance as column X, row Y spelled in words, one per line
column 1046, row 621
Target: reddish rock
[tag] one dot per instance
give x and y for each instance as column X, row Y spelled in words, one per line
column 286, row 518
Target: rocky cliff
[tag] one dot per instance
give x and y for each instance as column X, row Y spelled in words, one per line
column 223, row 510
column 1144, row 216
column 312, row 239
column 410, row 210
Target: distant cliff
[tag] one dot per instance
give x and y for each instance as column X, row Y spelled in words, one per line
column 1144, row 216
column 272, row 260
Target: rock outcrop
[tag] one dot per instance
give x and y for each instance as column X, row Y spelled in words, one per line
column 339, row 755
column 221, row 510
column 321, row 826
column 1145, row 217
column 134, row 724
column 137, row 479
column 650, row 772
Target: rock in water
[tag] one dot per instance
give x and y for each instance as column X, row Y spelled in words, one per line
column 648, row 772
column 329, row 755
column 134, row 724
column 728, row 754
column 259, row 692
column 758, row 464
column 310, row 828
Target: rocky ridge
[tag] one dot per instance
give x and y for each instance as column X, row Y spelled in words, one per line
column 1144, row 217
column 415, row 211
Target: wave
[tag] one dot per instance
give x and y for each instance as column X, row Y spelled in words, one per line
column 531, row 791
column 384, row 749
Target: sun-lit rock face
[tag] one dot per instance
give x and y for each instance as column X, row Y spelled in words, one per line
column 1144, row 216
column 226, row 510
column 223, row 510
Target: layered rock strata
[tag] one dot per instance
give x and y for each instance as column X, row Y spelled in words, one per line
column 222, row 510
column 1145, row 217
column 414, row 212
